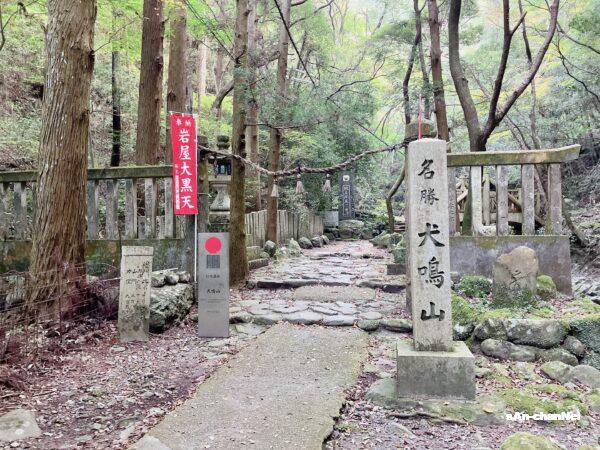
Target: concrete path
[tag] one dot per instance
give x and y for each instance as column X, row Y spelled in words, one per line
column 280, row 392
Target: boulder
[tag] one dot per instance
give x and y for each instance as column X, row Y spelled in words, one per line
column 316, row 241
column 558, row 354
column 574, row 346
column 528, row 441
column 169, row 305
column 556, row 370
column 462, row 332
column 325, row 240
column 270, row 248
column 368, row 325
column 546, row 333
column 253, row 252
column 184, row 276
column 294, row 248
column 158, row 280
column 305, row 243
column 587, row 375
column 592, row 359
column 507, row 350
column 491, row 328
column 515, row 278
column 18, row 424
column 587, row 330
column 351, row 229
column 546, row 289
column 397, row 325
column 171, row 278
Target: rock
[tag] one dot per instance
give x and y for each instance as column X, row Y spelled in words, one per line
column 158, row 280
column 587, row 375
column 546, row 288
column 253, row 252
column 558, row 354
column 169, row 305
column 258, row 263
column 270, row 247
column 325, row 240
column 267, row 319
column 390, row 287
column 587, row 330
column 515, row 278
column 184, row 276
column 546, row 333
column 592, row 359
column 397, row 325
column 526, row 371
column 305, row 243
column 241, row 317
column 491, row 328
column 399, row 253
column 574, row 345
column 303, row 318
column 368, row 325
column 507, row 350
column 593, row 400
column 350, row 229
column 371, row 315
column 171, row 278
column 382, row 392
column 340, row 320
column 294, row 248
column 317, row 242
column 528, row 441
column 18, row 424
column 556, row 370
column 462, row 332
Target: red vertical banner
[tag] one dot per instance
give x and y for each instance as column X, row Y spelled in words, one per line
column 185, row 176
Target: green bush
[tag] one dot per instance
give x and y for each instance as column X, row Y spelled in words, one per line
column 474, row 286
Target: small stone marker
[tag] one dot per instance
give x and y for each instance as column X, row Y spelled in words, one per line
column 213, row 284
column 346, row 210
column 134, row 293
column 433, row 365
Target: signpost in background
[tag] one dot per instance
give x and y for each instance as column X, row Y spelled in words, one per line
column 213, row 285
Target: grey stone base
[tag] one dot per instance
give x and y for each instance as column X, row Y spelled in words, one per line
column 435, row 374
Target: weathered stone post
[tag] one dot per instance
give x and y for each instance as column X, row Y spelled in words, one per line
column 134, row 293
column 433, row 365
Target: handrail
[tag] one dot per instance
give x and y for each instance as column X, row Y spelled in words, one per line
column 514, row 157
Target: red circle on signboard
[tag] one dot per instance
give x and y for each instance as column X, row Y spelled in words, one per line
column 213, row 245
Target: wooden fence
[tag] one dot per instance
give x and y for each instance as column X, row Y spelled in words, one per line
column 496, row 210
column 289, row 225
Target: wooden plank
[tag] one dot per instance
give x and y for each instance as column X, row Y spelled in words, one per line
column 131, row 209
column 169, row 228
column 514, row 157
column 527, row 199
column 555, row 199
column 92, row 209
column 486, row 199
column 502, row 200
column 112, row 198
column 150, row 207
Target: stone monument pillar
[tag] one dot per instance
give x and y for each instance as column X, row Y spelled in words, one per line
column 346, row 209
column 432, row 366
column 134, row 293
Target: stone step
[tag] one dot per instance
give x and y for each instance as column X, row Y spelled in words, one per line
column 258, row 263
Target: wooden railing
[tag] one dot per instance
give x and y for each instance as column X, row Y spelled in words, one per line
column 495, row 207
column 289, row 225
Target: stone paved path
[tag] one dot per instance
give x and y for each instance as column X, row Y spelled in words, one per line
column 341, row 284
column 282, row 391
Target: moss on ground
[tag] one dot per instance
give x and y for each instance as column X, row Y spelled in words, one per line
column 525, row 402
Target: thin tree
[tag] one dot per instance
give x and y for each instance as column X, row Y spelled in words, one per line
column 252, row 127
column 274, row 132
column 59, row 226
column 238, row 260
column 479, row 136
column 147, row 146
column 176, row 79
column 115, row 156
column 201, row 67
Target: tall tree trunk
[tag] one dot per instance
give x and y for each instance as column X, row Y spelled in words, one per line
column 436, row 71
column 275, row 133
column 202, row 60
column 252, row 128
column 176, row 81
column 115, row 156
column 238, row 265
column 147, row 147
column 59, row 227
column 426, row 88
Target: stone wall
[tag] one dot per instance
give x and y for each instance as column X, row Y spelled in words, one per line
column 475, row 255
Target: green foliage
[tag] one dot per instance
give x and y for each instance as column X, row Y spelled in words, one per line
column 474, row 286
